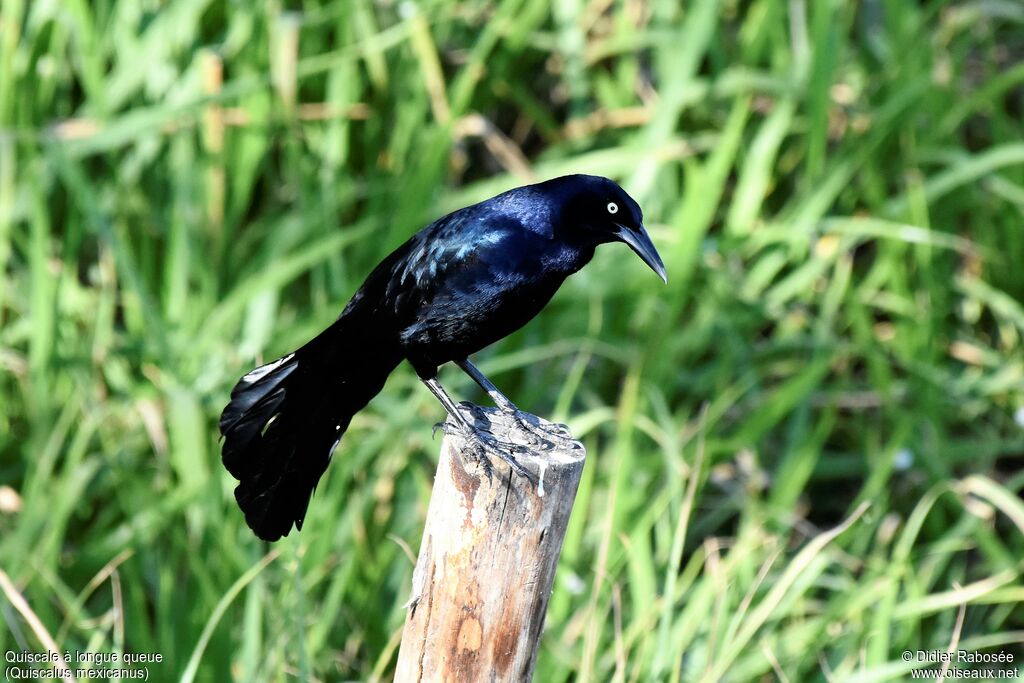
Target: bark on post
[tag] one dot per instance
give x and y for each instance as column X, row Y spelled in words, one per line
column 487, row 559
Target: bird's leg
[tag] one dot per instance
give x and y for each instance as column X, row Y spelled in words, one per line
column 485, row 443
column 550, row 430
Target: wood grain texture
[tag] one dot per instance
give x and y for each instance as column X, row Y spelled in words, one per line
column 487, row 560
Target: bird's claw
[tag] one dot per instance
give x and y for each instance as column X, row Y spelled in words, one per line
column 506, row 452
column 549, row 432
column 480, row 455
column 486, row 445
column 445, row 428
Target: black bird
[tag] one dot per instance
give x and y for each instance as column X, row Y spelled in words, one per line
column 465, row 281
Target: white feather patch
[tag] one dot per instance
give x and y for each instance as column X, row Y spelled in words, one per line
column 264, row 370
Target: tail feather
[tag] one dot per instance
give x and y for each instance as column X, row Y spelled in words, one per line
column 286, row 418
column 255, row 388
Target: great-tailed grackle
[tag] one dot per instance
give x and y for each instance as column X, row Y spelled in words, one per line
column 463, row 282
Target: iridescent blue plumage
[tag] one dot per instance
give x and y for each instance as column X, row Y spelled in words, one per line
column 460, row 284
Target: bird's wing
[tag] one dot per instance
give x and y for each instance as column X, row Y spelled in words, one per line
column 447, row 247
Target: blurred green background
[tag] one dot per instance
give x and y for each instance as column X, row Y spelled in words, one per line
column 189, row 187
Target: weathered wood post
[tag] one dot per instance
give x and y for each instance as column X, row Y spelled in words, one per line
column 487, row 559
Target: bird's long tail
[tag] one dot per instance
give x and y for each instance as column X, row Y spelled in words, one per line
column 285, row 419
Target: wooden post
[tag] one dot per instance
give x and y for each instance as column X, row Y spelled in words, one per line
column 487, row 559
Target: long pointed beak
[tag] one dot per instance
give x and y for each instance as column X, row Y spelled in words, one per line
column 640, row 242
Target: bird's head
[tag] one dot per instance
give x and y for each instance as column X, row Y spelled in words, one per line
column 596, row 210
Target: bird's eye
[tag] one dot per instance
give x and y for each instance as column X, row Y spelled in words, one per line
column 613, row 207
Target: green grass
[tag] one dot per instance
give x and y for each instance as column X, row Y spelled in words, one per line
column 804, row 458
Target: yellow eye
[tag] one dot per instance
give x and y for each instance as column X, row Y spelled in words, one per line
column 613, row 207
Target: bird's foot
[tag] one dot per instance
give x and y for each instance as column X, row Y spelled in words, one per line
column 542, row 431
column 486, row 445
column 553, row 433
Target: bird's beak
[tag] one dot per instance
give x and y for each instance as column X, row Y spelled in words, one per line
column 640, row 242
